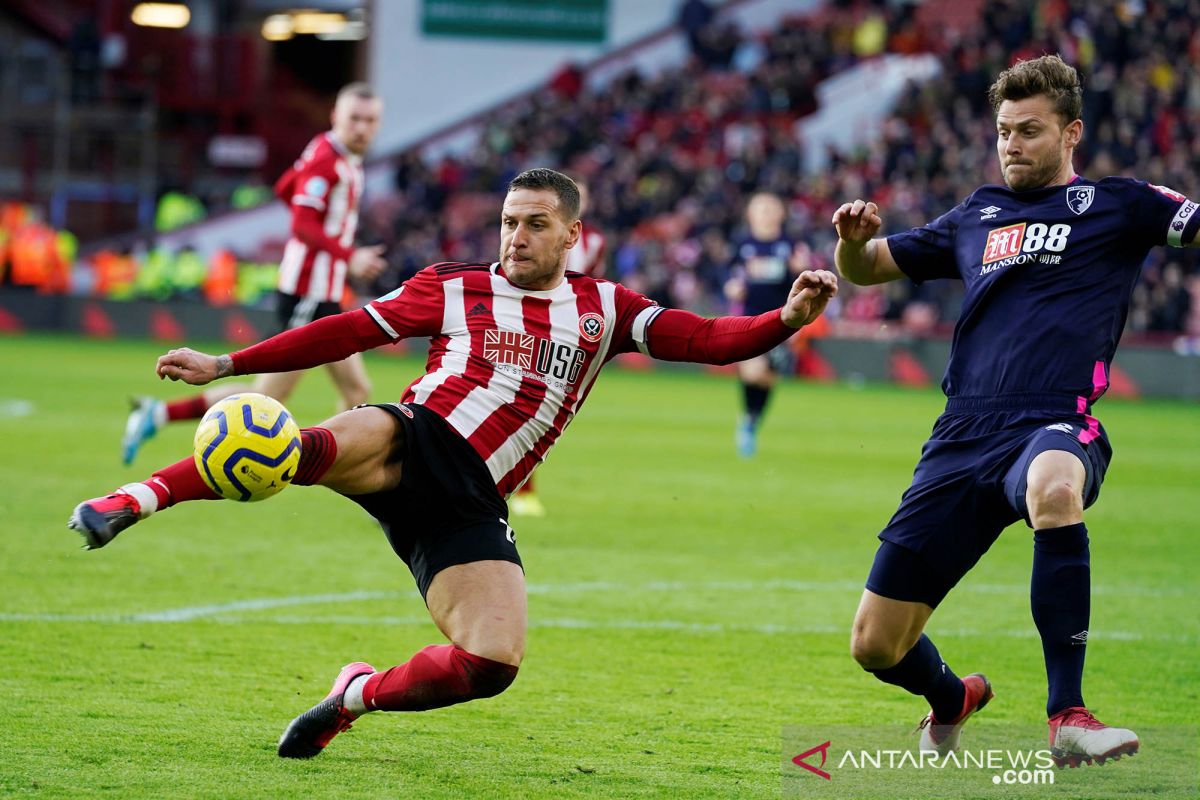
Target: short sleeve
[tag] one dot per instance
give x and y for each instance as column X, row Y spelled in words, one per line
column 635, row 312
column 927, row 252
column 1167, row 217
column 417, row 308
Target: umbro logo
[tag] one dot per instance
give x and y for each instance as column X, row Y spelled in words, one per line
column 1079, row 638
column 1060, row 426
column 477, row 309
column 989, row 213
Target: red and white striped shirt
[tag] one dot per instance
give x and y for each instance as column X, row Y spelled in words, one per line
column 508, row 368
column 323, row 188
column 587, row 256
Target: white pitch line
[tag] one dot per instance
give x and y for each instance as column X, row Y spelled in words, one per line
column 571, row 623
column 216, row 610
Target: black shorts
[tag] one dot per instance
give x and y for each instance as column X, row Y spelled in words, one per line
column 292, row 311
column 446, row 510
column 968, row 487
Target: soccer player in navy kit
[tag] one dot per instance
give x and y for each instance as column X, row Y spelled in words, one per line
column 765, row 263
column 1049, row 263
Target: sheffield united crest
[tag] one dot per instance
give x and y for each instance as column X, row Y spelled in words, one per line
column 1079, row 198
column 591, row 326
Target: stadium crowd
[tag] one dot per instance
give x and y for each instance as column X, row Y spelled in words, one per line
column 671, row 158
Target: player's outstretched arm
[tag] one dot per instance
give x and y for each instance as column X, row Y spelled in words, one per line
column 677, row 335
column 321, row 342
column 859, row 257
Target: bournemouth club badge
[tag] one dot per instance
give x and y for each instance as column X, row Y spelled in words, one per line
column 591, row 326
column 1079, row 198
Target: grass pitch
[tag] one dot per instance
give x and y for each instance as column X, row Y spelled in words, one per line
column 686, row 606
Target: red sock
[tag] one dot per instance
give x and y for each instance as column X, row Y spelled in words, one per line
column 437, row 676
column 187, row 408
column 179, row 482
column 318, row 449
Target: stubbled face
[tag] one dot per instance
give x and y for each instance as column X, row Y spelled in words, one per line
column 765, row 214
column 356, row 121
column 1034, row 147
column 534, row 239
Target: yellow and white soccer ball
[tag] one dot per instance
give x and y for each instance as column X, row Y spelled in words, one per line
column 247, row 447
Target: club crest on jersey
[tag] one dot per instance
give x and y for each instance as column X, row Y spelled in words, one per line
column 591, row 326
column 1079, row 198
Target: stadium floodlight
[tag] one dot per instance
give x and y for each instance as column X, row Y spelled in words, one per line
column 277, row 28
column 161, row 15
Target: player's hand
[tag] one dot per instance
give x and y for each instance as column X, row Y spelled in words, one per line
column 810, row 293
column 857, row 222
column 367, row 263
column 189, row 366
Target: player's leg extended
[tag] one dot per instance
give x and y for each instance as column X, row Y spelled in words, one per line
column 350, row 379
column 887, row 640
column 148, row 415
column 757, row 379
column 1060, row 599
column 356, row 452
column 480, row 607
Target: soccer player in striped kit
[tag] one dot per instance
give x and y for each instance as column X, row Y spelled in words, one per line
column 322, row 189
column 515, row 347
column 1049, row 262
column 587, row 257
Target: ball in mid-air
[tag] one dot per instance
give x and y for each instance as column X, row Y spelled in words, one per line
column 247, row 447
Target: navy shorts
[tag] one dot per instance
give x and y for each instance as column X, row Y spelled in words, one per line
column 446, row 510
column 968, row 487
column 292, row 311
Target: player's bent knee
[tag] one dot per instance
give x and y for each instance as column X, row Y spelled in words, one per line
column 874, row 651
column 1054, row 502
column 487, row 677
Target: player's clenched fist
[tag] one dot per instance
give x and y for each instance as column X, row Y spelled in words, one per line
column 857, row 222
column 810, row 293
column 189, row 366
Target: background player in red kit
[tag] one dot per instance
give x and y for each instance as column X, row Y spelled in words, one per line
column 323, row 190
column 587, row 257
column 515, row 347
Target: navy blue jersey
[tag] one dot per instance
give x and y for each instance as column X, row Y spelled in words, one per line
column 765, row 269
column 1049, row 274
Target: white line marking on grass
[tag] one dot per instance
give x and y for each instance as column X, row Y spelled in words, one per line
column 12, row 407
column 572, row 623
column 257, row 604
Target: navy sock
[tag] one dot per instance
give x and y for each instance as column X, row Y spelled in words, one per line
column 1060, row 596
column 755, row 400
column 923, row 672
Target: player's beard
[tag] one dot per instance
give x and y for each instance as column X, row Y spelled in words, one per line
column 1034, row 176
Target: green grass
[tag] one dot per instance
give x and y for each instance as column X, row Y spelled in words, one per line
column 686, row 606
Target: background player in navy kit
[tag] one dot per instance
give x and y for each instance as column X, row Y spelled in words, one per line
column 764, row 265
column 1049, row 264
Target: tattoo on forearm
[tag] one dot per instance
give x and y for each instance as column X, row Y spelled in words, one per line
column 224, row 366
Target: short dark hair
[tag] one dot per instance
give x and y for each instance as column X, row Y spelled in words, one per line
column 542, row 179
column 1048, row 75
